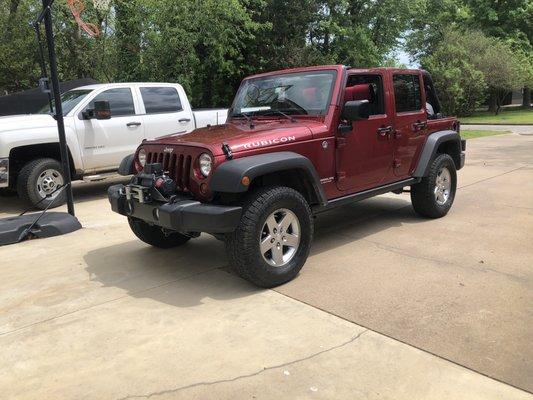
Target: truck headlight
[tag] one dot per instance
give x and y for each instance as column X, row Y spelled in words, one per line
column 142, row 157
column 205, row 163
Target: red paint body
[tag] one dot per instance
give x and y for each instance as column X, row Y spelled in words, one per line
column 346, row 163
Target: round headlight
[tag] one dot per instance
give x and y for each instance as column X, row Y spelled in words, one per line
column 142, row 157
column 205, row 163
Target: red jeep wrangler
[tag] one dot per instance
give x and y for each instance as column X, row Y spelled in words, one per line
column 297, row 143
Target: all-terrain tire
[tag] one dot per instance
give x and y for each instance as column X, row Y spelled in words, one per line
column 243, row 246
column 29, row 183
column 424, row 195
column 154, row 235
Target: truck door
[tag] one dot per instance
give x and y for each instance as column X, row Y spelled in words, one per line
column 104, row 143
column 410, row 122
column 364, row 154
column 166, row 111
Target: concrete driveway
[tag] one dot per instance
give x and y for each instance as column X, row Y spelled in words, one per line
column 388, row 305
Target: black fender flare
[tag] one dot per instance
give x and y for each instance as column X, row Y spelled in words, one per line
column 227, row 178
column 127, row 166
column 431, row 146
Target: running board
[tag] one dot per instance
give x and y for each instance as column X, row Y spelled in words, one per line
column 352, row 198
column 99, row 177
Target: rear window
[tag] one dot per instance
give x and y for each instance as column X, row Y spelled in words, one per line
column 161, row 100
column 407, row 95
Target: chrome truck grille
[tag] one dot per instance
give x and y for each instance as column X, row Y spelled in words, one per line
column 178, row 167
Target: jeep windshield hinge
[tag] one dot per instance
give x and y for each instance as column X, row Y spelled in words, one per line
column 227, row 151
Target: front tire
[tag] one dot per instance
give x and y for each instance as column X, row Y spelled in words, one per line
column 273, row 239
column 40, row 178
column 154, row 235
column 433, row 196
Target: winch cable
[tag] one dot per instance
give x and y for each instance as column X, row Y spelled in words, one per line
column 27, row 231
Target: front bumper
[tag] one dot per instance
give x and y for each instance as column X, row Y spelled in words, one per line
column 183, row 215
column 4, row 172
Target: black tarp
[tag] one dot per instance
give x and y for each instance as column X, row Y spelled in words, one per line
column 32, row 100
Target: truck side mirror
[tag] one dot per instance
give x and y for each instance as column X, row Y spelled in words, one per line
column 102, row 110
column 356, row 109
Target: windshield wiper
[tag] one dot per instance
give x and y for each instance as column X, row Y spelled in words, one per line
column 249, row 118
column 292, row 119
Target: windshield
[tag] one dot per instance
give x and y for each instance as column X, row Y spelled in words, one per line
column 68, row 100
column 303, row 93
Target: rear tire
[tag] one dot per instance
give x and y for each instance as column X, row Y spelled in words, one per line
column 273, row 239
column 38, row 178
column 433, row 196
column 154, row 235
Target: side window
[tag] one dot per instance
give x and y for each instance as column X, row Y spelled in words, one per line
column 120, row 101
column 376, row 97
column 407, row 95
column 161, row 100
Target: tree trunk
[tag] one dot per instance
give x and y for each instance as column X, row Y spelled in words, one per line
column 493, row 103
column 526, row 97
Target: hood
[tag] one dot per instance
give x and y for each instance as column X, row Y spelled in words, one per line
column 239, row 136
column 31, row 121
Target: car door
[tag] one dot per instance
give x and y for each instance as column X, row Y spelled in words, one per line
column 165, row 112
column 106, row 142
column 410, row 122
column 364, row 153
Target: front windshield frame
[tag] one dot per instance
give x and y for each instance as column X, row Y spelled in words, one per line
column 299, row 111
column 67, row 101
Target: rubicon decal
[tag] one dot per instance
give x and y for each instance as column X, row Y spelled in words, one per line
column 269, row 142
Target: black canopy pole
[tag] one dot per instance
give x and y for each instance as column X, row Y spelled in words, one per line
column 42, row 63
column 47, row 14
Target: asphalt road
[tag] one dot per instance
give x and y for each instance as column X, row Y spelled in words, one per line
column 388, row 305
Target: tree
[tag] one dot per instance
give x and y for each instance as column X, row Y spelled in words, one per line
column 460, row 83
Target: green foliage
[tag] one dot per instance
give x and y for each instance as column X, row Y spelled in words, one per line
column 210, row 45
column 467, row 64
column 460, row 84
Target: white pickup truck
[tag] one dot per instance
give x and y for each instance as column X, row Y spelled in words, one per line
column 29, row 144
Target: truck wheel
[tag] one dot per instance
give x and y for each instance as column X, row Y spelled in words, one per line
column 154, row 235
column 40, row 178
column 272, row 241
column 433, row 196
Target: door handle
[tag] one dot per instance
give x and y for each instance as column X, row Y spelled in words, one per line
column 419, row 125
column 384, row 130
column 133, row 124
column 183, row 120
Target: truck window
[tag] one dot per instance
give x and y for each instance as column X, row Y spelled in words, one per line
column 377, row 105
column 160, row 100
column 407, row 94
column 120, row 101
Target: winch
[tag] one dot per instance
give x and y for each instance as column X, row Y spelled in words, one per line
column 150, row 184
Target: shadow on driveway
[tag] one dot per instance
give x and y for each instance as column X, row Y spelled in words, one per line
column 140, row 269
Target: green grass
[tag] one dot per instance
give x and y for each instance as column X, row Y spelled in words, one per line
column 472, row 134
column 508, row 116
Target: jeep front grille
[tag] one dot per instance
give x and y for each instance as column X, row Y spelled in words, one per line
column 178, row 167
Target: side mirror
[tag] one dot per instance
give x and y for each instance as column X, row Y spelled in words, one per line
column 354, row 110
column 102, row 110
